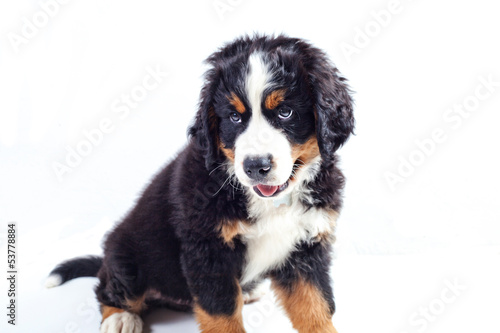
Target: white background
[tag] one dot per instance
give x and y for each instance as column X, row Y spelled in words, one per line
column 399, row 247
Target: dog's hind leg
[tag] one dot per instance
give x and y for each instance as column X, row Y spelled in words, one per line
column 122, row 297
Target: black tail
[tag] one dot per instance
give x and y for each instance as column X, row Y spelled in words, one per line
column 74, row 268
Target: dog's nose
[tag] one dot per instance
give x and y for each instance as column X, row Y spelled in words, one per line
column 257, row 167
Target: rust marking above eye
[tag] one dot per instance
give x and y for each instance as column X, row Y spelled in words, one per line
column 237, row 103
column 274, row 99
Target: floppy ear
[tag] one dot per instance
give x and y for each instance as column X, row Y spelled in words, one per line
column 206, row 124
column 333, row 106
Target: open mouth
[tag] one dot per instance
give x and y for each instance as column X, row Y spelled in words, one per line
column 268, row 191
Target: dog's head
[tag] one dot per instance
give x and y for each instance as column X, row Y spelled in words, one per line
column 271, row 107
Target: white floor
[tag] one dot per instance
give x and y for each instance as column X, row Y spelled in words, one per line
column 435, row 292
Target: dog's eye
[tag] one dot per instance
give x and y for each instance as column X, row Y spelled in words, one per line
column 235, row 117
column 285, row 113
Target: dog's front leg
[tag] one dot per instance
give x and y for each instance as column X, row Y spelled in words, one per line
column 212, row 273
column 212, row 318
column 303, row 287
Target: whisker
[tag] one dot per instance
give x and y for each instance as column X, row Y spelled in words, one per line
column 233, row 178
column 228, row 178
column 221, row 165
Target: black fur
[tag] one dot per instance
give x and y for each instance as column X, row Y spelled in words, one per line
column 333, row 103
column 78, row 267
column 170, row 243
column 310, row 262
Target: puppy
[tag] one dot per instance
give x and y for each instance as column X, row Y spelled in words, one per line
column 255, row 194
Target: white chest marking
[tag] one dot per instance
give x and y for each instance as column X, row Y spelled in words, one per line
column 277, row 232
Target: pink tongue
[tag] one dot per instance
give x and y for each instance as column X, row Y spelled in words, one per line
column 267, row 190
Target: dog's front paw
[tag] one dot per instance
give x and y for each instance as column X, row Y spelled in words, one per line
column 122, row 322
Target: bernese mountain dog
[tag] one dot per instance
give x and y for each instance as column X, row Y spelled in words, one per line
column 254, row 195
